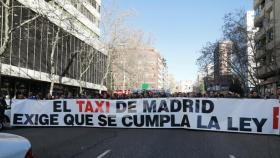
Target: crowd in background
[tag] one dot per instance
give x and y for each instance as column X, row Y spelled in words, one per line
column 134, row 95
column 145, row 94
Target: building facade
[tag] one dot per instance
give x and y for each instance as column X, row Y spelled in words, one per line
column 222, row 68
column 268, row 43
column 141, row 68
column 64, row 33
column 222, row 58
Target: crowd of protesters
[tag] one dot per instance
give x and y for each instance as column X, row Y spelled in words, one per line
column 145, row 94
column 135, row 95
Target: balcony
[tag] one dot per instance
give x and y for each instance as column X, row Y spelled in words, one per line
column 260, row 34
column 270, row 45
column 268, row 5
column 260, row 53
column 259, row 18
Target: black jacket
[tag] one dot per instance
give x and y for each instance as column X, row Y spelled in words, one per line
column 3, row 104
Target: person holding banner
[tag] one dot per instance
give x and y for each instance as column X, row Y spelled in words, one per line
column 255, row 95
column 3, row 106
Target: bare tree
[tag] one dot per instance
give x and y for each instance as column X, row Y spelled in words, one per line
column 52, row 73
column 130, row 60
column 62, row 26
column 243, row 62
column 7, row 5
column 206, row 59
column 114, row 37
column 87, row 59
column 206, row 62
column 69, row 21
column 243, row 50
column 9, row 28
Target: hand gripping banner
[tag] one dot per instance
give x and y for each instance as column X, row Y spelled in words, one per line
column 228, row 115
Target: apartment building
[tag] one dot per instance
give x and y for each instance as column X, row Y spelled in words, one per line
column 28, row 59
column 222, row 57
column 154, row 69
column 222, row 68
column 139, row 68
column 267, row 19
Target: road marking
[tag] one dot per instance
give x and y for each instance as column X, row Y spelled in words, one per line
column 232, row 156
column 104, row 153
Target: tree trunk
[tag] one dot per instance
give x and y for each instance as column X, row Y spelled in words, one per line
column 87, row 64
column 6, row 38
column 53, row 62
column 7, row 28
column 81, row 87
column 106, row 71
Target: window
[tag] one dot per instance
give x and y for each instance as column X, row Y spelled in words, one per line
column 85, row 11
column 98, row 8
column 270, row 36
column 93, row 3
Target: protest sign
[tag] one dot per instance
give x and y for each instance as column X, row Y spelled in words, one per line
column 228, row 115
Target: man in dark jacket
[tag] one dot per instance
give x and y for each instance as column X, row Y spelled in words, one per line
column 3, row 106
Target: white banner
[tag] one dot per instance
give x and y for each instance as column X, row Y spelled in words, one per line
column 232, row 115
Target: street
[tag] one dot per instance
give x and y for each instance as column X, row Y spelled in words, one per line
column 146, row 143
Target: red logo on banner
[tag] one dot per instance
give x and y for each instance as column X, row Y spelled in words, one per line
column 276, row 117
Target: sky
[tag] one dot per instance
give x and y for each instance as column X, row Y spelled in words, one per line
column 180, row 28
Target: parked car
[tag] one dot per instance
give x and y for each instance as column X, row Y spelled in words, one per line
column 14, row 146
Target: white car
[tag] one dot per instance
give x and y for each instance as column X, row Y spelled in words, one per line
column 14, row 146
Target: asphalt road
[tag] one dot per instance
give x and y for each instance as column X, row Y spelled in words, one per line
column 146, row 143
